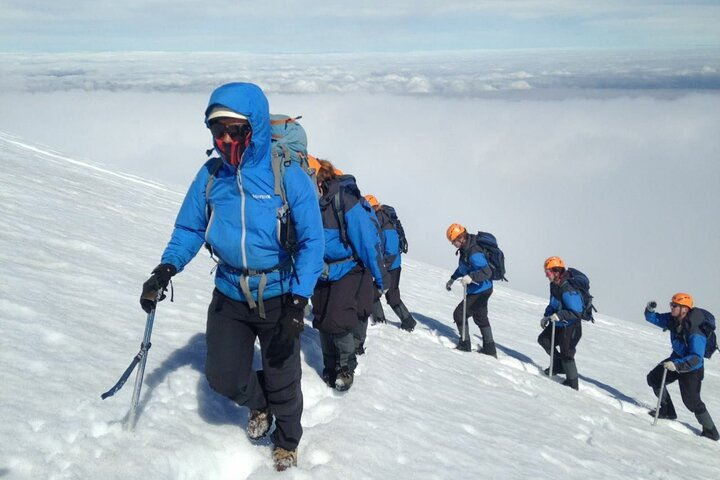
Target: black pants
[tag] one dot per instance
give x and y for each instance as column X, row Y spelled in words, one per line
column 365, row 299
column 335, row 305
column 477, row 308
column 690, row 384
column 232, row 328
column 392, row 296
column 566, row 340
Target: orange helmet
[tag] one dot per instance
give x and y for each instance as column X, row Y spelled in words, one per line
column 313, row 163
column 454, row 231
column 684, row 299
column 553, row 262
column 372, row 200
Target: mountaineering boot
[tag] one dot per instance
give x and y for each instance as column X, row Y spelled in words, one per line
column 709, row 429
column 711, row 434
column 259, row 423
column 464, row 346
column 378, row 315
column 571, row 379
column 344, row 380
column 667, row 409
column 407, row 322
column 328, row 377
column 558, row 368
column 488, row 347
column 664, row 415
column 284, row 459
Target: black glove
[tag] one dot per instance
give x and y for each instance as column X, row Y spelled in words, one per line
column 292, row 321
column 157, row 282
column 403, row 245
column 651, row 306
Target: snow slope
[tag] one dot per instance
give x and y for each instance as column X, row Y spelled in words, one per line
column 76, row 243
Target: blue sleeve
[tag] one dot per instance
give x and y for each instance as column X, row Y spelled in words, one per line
column 190, row 224
column 572, row 306
column 363, row 235
column 553, row 306
column 659, row 319
column 695, row 354
column 479, row 268
column 305, row 211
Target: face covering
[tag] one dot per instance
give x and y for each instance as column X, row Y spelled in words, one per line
column 234, row 150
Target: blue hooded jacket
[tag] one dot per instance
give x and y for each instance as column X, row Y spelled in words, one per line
column 243, row 228
column 687, row 340
column 566, row 302
column 473, row 262
column 363, row 241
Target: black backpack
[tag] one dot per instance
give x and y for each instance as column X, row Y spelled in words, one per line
column 581, row 283
column 398, row 227
column 707, row 327
column 495, row 256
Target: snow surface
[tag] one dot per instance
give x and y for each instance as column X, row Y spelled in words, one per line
column 76, row 243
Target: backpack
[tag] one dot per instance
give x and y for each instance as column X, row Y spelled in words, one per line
column 495, row 256
column 581, row 283
column 288, row 144
column 397, row 226
column 707, row 327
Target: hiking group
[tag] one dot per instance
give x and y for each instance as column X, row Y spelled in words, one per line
column 287, row 229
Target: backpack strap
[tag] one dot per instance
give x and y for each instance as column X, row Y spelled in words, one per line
column 339, row 210
column 213, row 169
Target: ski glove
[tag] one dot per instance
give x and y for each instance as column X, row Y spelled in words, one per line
column 670, row 366
column 157, row 282
column 545, row 321
column 448, row 285
column 651, row 306
column 292, row 321
column 467, row 280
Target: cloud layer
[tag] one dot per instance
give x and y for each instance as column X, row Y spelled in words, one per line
column 460, row 74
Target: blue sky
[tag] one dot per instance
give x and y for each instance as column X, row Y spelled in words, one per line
column 322, row 26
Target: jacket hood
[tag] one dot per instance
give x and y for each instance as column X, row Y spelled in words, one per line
column 249, row 100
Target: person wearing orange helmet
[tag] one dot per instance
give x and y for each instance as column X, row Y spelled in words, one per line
column 394, row 245
column 685, row 363
column 564, row 312
column 475, row 274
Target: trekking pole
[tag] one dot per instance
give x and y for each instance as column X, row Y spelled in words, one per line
column 552, row 351
column 662, row 391
column 464, row 332
column 140, row 359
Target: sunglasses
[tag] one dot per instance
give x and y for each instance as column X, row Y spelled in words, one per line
column 675, row 305
column 237, row 131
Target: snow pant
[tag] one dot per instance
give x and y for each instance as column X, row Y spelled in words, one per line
column 392, row 296
column 477, row 308
column 690, row 384
column 335, row 308
column 338, row 352
column 365, row 299
column 566, row 340
column 232, row 328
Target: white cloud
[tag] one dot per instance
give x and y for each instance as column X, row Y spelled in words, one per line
column 443, row 73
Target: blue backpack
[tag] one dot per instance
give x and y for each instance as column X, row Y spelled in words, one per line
column 707, row 327
column 495, row 256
